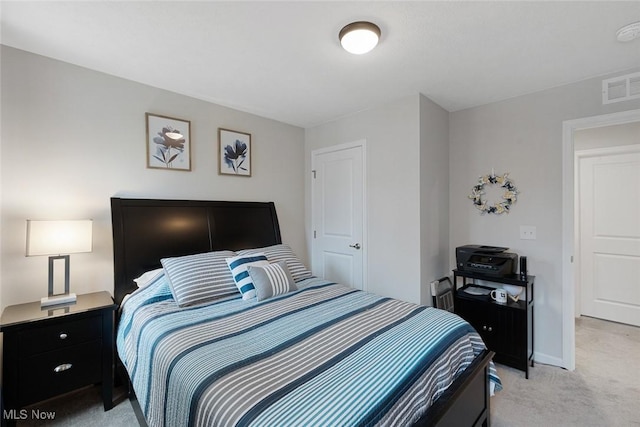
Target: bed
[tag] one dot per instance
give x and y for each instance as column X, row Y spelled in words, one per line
column 317, row 353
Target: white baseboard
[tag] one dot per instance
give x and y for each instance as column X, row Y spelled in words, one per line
column 547, row 360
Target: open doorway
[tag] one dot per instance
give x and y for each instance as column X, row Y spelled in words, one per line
column 569, row 209
column 607, row 249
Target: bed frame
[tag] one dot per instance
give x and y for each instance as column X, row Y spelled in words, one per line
column 146, row 230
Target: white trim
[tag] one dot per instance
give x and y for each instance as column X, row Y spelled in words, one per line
column 347, row 145
column 545, row 359
column 568, row 222
column 607, row 151
column 362, row 143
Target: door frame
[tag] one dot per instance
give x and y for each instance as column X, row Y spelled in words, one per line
column 569, row 222
column 362, row 143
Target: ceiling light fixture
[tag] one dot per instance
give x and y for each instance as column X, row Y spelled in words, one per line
column 359, row 37
column 628, row 32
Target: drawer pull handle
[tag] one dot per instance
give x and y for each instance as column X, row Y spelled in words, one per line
column 63, row 367
column 63, row 336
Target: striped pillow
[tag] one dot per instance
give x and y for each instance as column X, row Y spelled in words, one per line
column 195, row 279
column 271, row 280
column 238, row 266
column 282, row 252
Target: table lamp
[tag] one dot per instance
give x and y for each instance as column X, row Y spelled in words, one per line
column 58, row 239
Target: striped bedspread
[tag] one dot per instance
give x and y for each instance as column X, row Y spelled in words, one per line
column 325, row 355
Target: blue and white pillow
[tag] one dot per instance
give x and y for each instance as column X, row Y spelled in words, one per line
column 238, row 266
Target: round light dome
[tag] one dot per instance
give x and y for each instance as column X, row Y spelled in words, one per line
column 359, row 37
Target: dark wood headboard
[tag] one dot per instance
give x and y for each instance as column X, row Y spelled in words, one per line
column 146, row 230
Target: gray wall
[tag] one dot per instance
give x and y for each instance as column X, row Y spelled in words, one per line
column 392, row 187
column 72, row 138
column 407, row 190
column 523, row 136
column 434, row 195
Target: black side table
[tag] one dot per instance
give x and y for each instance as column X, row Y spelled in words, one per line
column 53, row 350
column 505, row 328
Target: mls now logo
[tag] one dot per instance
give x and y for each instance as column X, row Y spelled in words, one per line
column 23, row 414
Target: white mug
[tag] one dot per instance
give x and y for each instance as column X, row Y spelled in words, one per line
column 499, row 295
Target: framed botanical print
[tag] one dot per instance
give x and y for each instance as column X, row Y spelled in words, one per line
column 234, row 149
column 168, row 143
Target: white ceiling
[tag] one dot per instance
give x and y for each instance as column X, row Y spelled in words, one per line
column 283, row 60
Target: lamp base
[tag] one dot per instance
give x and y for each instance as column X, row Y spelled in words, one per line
column 58, row 299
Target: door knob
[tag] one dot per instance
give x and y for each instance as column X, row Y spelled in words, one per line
column 355, row 246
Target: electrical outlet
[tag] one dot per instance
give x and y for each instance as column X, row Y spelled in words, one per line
column 528, row 232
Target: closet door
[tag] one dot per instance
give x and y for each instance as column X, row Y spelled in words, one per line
column 338, row 214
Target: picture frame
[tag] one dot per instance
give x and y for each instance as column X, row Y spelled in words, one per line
column 168, row 143
column 234, row 150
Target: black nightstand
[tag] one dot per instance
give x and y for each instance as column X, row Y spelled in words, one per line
column 54, row 350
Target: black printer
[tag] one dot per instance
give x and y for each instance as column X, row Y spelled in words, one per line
column 489, row 260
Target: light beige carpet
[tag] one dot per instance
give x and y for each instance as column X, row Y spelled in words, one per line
column 603, row 391
column 83, row 408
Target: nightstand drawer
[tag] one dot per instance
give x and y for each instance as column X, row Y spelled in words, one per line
column 60, row 335
column 49, row 374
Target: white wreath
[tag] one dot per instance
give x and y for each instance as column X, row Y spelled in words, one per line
column 509, row 197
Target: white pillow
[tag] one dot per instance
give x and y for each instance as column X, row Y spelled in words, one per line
column 150, row 276
column 238, row 266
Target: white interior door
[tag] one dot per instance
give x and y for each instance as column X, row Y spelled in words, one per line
column 338, row 214
column 609, row 192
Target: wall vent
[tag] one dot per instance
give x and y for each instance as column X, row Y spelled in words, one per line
column 621, row 88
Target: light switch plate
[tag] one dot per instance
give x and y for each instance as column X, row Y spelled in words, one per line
column 528, row 232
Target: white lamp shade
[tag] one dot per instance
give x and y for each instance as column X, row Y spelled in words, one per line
column 58, row 237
